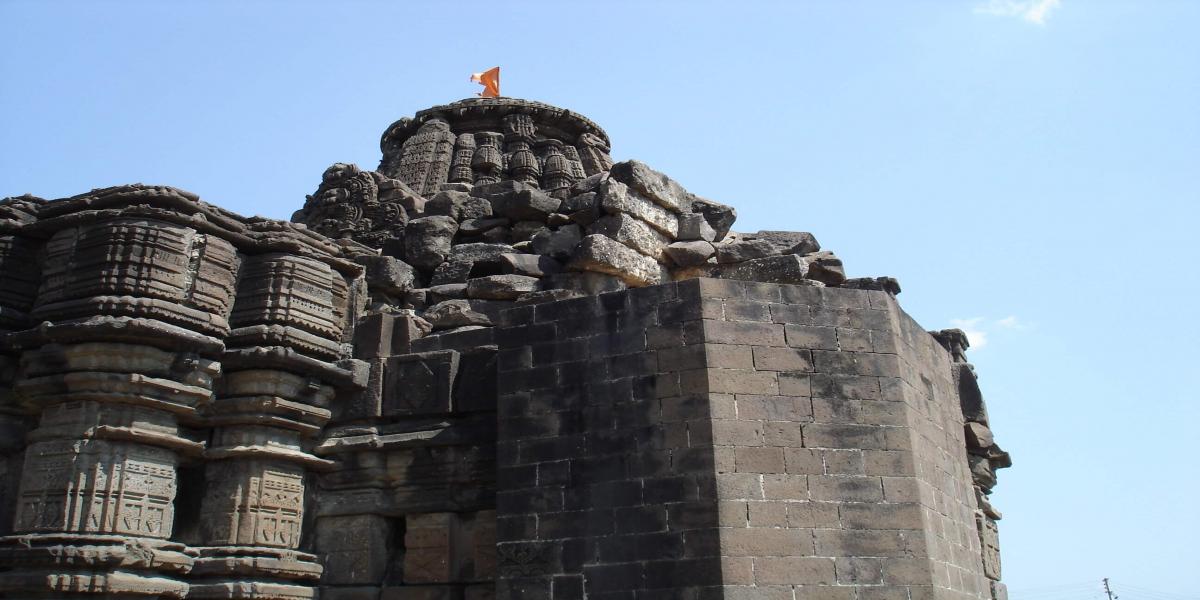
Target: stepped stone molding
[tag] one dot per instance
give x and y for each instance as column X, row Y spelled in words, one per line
column 500, row 366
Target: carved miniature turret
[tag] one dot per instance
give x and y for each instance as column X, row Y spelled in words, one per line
column 419, row 151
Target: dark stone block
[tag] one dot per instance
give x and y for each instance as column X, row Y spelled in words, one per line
column 641, row 519
column 691, row 572
column 612, row 578
column 475, row 389
column 420, row 383
column 668, row 489
column 568, row 587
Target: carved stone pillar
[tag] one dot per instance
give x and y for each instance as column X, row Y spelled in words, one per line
column 129, row 310
column 281, row 376
column 19, row 274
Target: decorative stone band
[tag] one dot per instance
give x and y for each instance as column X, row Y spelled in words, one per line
column 488, row 140
column 103, row 565
column 120, row 388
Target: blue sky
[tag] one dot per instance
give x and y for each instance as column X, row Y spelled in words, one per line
column 1028, row 170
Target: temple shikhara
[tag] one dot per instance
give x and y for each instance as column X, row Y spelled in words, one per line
column 499, row 365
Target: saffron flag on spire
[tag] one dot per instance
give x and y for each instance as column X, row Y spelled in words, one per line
column 490, row 80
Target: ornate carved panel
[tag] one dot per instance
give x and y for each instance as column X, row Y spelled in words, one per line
column 138, row 267
column 284, row 289
column 362, row 205
column 253, row 503
column 97, row 486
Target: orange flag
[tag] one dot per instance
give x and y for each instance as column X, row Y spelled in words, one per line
column 490, row 80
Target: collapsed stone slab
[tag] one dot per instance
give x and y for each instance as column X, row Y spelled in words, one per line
column 601, row 254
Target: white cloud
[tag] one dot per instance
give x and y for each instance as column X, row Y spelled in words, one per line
column 1010, row 322
column 978, row 328
column 1033, row 11
column 976, row 336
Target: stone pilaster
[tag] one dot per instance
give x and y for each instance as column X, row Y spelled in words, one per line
column 135, row 304
column 282, row 371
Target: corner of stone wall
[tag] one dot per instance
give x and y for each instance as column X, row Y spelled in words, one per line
column 606, row 471
column 834, row 427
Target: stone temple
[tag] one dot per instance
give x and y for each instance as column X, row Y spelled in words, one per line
column 497, row 366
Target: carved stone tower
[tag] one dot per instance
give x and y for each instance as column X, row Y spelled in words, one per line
column 498, row 366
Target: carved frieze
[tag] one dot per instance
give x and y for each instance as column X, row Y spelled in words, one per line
column 138, row 267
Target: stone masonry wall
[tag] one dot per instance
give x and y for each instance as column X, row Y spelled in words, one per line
column 731, row 440
column 943, row 477
column 830, row 396
column 605, row 482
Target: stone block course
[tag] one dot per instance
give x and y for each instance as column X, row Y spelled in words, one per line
column 786, row 414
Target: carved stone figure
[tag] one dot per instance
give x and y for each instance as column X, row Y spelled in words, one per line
column 361, row 205
column 593, row 153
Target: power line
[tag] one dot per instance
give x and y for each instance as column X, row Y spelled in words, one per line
column 1150, row 593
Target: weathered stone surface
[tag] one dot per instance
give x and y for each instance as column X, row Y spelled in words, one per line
column 787, row 268
column 477, row 226
column 690, row 254
column 447, row 291
column 558, row 243
column 787, row 242
column 526, row 205
column 882, row 284
column 499, row 189
column 501, row 287
column 467, row 260
column 743, row 250
column 979, row 437
column 451, row 271
column 475, row 253
column 652, row 184
column 456, row 313
column 523, row 231
column 633, row 233
column 427, row 241
column 582, row 208
column 825, row 267
column 388, row 274
column 497, row 235
column 475, row 208
column 588, row 184
column 456, row 187
column 534, row 265
column 719, row 216
column 553, row 295
column 708, row 269
column 616, row 198
column 693, row 226
column 602, row 255
column 447, row 203
column 587, row 283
